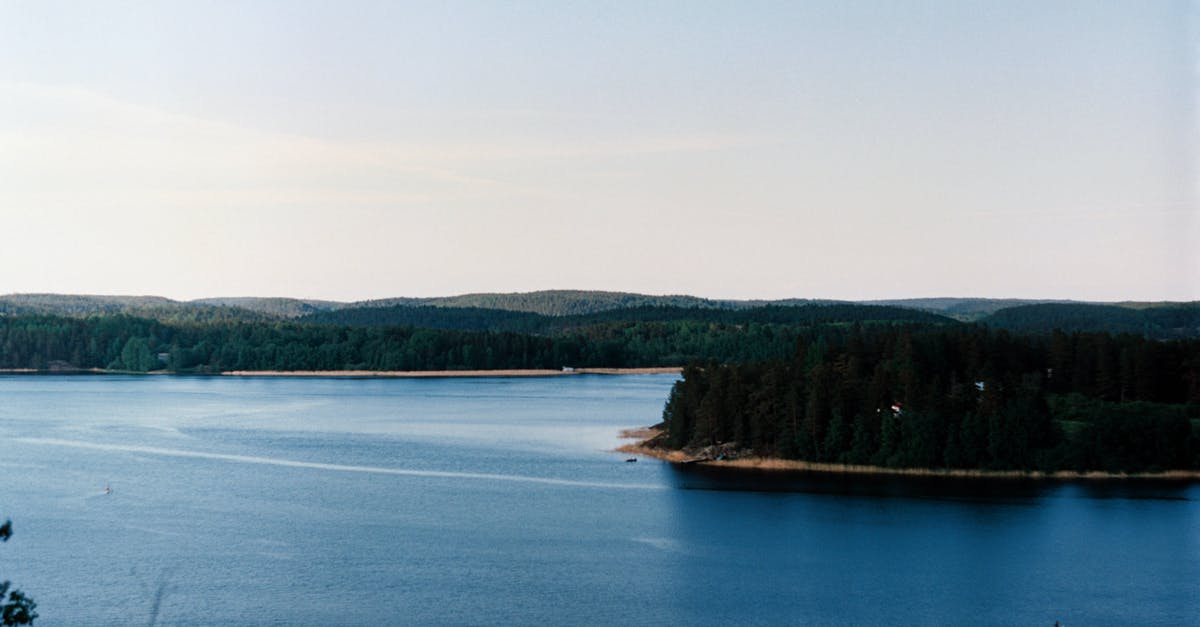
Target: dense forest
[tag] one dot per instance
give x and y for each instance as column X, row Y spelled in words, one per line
column 1159, row 322
column 475, row 339
column 952, row 396
column 962, row 309
column 478, row 319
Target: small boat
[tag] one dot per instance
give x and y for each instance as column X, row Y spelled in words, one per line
column 107, row 489
column 631, row 459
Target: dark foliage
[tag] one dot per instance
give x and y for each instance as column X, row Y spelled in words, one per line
column 1168, row 321
column 16, row 608
column 477, row 319
column 952, row 397
column 964, row 309
column 429, row 317
column 632, row 338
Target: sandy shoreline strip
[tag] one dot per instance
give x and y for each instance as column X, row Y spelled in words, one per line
column 791, row 465
column 369, row 373
column 447, row 373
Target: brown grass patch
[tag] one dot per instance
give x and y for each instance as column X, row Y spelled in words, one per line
column 644, row 433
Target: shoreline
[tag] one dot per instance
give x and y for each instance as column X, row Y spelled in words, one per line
column 406, row 374
column 772, row 464
column 393, row 374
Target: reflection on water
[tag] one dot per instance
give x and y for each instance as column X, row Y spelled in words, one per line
column 819, row 548
column 997, row 490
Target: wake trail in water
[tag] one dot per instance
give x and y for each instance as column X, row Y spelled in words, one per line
column 289, row 463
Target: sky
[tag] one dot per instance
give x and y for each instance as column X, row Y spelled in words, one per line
column 356, row 150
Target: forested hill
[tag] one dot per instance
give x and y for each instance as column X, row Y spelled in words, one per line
column 428, row 317
column 272, row 307
column 548, row 303
column 1165, row 321
column 479, row 319
column 530, row 312
column 554, row 302
column 963, row 309
column 152, row 307
column 578, row 302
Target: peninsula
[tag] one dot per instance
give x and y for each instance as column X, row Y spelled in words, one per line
column 947, row 400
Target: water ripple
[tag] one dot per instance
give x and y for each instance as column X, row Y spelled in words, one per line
column 272, row 461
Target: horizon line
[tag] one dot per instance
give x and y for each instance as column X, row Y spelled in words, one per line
column 815, row 299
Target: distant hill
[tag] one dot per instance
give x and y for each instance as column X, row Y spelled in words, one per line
column 79, row 304
column 480, row 319
column 558, row 302
column 547, row 302
column 429, row 317
column 152, row 307
column 965, row 309
column 1153, row 320
column 803, row 314
column 275, row 307
column 489, row 310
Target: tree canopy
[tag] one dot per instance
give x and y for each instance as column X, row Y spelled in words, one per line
column 952, row 397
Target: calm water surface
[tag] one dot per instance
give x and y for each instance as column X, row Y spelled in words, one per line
column 495, row 501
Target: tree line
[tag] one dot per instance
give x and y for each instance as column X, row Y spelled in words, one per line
column 1173, row 321
column 127, row 343
column 481, row 319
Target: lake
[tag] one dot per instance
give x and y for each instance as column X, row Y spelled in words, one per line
column 298, row 501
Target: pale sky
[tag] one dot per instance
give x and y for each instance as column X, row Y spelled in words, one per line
column 354, row 150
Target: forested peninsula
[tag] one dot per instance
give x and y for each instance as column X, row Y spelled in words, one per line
column 942, row 384
column 961, row 397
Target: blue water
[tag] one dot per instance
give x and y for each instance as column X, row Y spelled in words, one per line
column 496, row 501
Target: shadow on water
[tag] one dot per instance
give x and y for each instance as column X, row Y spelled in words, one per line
column 1008, row 490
